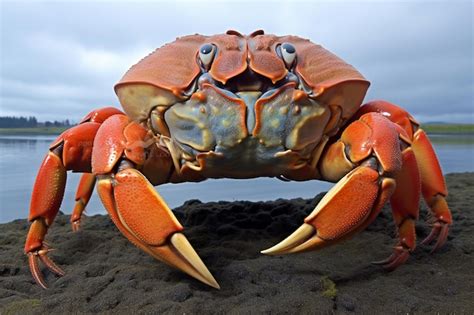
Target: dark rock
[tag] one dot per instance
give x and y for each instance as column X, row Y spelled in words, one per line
column 347, row 302
column 180, row 293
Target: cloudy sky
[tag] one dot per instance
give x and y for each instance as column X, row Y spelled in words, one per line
column 61, row 59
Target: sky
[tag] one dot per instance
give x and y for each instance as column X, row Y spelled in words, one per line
column 60, row 59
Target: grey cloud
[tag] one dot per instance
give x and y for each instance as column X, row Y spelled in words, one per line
column 61, row 59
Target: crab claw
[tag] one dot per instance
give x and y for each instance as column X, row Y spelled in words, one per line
column 145, row 219
column 341, row 213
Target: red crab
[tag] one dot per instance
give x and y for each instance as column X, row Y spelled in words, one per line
column 240, row 106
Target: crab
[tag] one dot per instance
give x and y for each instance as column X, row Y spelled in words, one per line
column 242, row 106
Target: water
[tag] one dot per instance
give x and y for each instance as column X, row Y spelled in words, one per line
column 21, row 156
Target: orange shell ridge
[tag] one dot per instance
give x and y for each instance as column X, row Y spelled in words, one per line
column 175, row 66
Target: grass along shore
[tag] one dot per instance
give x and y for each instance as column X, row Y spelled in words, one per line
column 429, row 128
column 448, row 128
column 33, row 131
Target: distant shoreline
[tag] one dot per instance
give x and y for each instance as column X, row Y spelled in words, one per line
column 448, row 128
column 33, row 131
column 445, row 129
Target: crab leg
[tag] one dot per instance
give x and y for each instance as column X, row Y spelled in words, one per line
column 46, row 199
column 433, row 189
column 370, row 147
column 145, row 219
column 83, row 195
column 433, row 186
column 70, row 151
column 405, row 207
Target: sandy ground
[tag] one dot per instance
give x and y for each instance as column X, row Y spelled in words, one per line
column 107, row 274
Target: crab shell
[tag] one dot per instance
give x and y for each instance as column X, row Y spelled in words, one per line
column 327, row 92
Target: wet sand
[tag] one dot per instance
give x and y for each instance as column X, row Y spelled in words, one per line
column 105, row 273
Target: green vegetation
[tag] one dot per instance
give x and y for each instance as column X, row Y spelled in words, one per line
column 452, row 139
column 448, row 128
column 11, row 125
column 32, row 131
column 30, row 122
column 328, row 287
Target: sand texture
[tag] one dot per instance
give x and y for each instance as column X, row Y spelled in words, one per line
column 107, row 274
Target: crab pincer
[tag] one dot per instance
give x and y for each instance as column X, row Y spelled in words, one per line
column 333, row 220
column 136, row 208
column 145, row 219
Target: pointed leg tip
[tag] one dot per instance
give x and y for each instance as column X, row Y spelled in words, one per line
column 396, row 259
column 76, row 225
column 439, row 233
column 378, row 262
column 35, row 271
column 41, row 284
column 40, row 281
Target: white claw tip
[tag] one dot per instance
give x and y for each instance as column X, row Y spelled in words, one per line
column 301, row 235
column 199, row 270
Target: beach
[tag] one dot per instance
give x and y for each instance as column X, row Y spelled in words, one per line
column 107, row 274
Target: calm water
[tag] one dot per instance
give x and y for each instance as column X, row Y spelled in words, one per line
column 20, row 157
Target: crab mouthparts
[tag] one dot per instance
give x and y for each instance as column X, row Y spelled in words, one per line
column 250, row 87
column 250, row 98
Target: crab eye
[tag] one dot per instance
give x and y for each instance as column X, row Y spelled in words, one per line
column 288, row 54
column 206, row 54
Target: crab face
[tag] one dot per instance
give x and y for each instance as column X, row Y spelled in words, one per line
column 262, row 100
